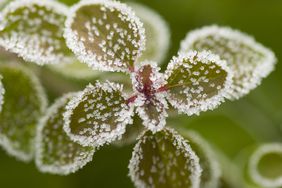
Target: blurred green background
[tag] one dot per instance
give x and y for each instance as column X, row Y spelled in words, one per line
column 233, row 128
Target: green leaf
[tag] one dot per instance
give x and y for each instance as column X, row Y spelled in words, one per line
column 25, row 102
column 164, row 160
column 208, row 162
column 249, row 60
column 156, row 30
column 33, row 29
column 151, row 106
column 131, row 132
column 75, row 69
column 105, row 34
column 265, row 165
column 55, row 152
column 98, row 115
column 197, row 81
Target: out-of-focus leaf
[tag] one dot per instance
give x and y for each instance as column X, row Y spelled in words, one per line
column 105, row 34
column 208, row 161
column 151, row 106
column 24, row 103
column 33, row 29
column 265, row 165
column 156, row 30
column 2, row 92
column 98, row 115
column 55, row 152
column 164, row 160
column 197, row 81
column 249, row 60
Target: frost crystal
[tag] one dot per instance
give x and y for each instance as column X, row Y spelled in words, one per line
column 98, row 115
column 164, row 159
column 210, row 166
column 151, row 104
column 55, row 152
column 33, row 30
column 156, row 29
column 273, row 175
column 249, row 60
column 25, row 102
column 197, row 81
column 105, row 34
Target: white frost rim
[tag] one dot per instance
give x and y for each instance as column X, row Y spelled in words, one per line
column 254, row 161
column 79, row 49
column 55, row 169
column 208, row 104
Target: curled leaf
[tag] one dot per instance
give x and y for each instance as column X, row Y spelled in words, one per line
column 265, row 165
column 105, row 34
column 55, row 152
column 25, row 102
column 163, row 160
column 151, row 106
column 208, row 162
column 33, row 30
column 156, row 29
column 98, row 115
column 197, row 81
column 249, row 60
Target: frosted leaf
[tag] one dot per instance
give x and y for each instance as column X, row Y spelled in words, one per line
column 156, row 29
column 2, row 92
column 33, row 30
column 105, row 34
column 197, row 81
column 24, row 103
column 164, row 160
column 265, row 165
column 208, row 162
column 151, row 105
column 98, row 115
column 3, row 3
column 75, row 69
column 55, row 152
column 249, row 60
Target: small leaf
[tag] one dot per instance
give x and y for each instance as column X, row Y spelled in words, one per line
column 265, row 165
column 208, row 162
column 164, row 160
column 24, row 103
column 33, row 30
column 55, row 152
column 197, row 81
column 105, row 34
column 98, row 115
column 156, row 29
column 151, row 105
column 249, row 60
column 2, row 92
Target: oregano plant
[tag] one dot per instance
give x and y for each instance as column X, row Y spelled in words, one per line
column 213, row 64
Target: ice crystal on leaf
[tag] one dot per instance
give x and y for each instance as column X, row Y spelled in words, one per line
column 98, row 115
column 55, row 152
column 164, row 159
column 249, row 60
column 105, row 34
column 197, row 81
column 265, row 165
column 21, row 110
